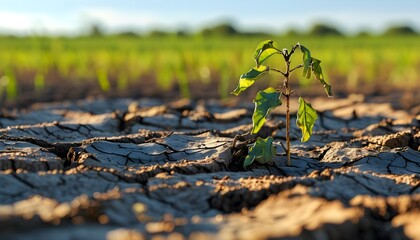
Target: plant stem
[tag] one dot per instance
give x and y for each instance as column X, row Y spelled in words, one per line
column 288, row 124
column 287, row 93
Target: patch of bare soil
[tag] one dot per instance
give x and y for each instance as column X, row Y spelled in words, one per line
column 139, row 169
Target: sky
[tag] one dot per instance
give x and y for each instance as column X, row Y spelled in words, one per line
column 74, row 16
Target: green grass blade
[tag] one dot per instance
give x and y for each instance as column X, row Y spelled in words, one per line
column 102, row 77
column 39, row 82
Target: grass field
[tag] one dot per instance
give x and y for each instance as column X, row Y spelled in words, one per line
column 117, row 63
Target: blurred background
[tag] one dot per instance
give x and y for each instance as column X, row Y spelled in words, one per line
column 63, row 50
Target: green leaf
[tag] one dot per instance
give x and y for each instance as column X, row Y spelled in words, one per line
column 247, row 79
column 264, row 102
column 316, row 68
column 264, row 50
column 261, row 151
column 306, row 118
column 306, row 61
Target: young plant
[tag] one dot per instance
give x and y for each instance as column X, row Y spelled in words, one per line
column 263, row 150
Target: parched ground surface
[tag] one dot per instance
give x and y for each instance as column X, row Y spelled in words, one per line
column 141, row 169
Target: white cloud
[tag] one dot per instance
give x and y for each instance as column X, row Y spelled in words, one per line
column 20, row 23
column 76, row 21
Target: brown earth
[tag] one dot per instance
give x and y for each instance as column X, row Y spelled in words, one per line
column 141, row 169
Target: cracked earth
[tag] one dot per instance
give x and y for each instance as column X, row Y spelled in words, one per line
column 144, row 169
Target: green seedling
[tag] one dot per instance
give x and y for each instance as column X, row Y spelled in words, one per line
column 262, row 150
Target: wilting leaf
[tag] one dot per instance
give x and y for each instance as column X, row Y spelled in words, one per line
column 261, row 151
column 316, row 68
column 306, row 62
column 264, row 50
column 264, row 102
column 247, row 79
column 306, row 118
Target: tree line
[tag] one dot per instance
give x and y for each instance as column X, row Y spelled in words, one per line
column 227, row 29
